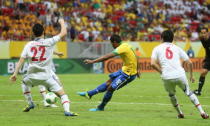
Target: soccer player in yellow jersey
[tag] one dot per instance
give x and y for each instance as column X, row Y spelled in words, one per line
column 117, row 79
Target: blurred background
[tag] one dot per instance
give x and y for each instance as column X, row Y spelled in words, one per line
column 90, row 24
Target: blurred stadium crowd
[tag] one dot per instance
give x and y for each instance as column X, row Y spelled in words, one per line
column 96, row 20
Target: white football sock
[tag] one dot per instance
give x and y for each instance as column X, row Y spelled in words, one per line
column 42, row 91
column 175, row 104
column 195, row 101
column 65, row 102
column 27, row 93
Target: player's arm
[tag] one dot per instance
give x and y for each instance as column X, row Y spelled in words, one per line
column 13, row 78
column 155, row 65
column 190, row 68
column 154, row 61
column 59, row 54
column 187, row 61
column 63, row 31
column 100, row 59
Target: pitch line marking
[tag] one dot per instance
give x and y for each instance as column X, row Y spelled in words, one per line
column 128, row 103
column 206, row 97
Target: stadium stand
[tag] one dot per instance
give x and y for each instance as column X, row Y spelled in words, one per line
column 96, row 20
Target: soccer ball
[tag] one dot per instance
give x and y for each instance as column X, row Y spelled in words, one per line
column 51, row 98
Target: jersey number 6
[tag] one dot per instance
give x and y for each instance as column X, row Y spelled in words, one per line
column 35, row 50
column 169, row 53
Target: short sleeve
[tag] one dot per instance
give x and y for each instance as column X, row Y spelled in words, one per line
column 24, row 53
column 52, row 41
column 183, row 55
column 119, row 50
column 115, row 52
column 154, row 54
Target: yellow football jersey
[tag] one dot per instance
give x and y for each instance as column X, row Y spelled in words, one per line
column 128, row 56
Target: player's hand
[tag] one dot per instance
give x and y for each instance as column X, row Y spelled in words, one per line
column 192, row 79
column 87, row 61
column 60, row 54
column 13, row 78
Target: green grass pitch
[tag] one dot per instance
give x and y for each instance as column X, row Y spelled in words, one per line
column 143, row 102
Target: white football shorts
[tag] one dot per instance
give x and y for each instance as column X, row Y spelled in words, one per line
column 182, row 82
column 53, row 83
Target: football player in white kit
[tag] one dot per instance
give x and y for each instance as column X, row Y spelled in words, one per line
column 39, row 54
column 42, row 88
column 166, row 60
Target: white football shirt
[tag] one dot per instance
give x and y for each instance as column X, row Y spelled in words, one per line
column 168, row 55
column 39, row 54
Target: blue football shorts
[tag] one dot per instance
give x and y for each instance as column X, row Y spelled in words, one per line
column 120, row 79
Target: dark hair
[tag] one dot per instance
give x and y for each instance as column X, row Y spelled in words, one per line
column 115, row 38
column 38, row 30
column 201, row 28
column 167, row 36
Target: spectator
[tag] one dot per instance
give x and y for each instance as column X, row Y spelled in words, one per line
column 144, row 20
column 137, row 52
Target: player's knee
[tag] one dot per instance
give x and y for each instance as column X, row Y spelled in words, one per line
column 23, row 85
column 25, row 88
column 204, row 72
column 110, row 88
column 60, row 92
column 108, row 82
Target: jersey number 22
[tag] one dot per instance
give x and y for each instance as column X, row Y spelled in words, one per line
column 35, row 50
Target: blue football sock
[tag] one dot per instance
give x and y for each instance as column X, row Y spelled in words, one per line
column 100, row 88
column 106, row 99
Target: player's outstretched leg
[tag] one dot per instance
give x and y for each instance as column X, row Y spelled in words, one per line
column 195, row 101
column 27, row 93
column 106, row 99
column 66, row 105
column 56, row 87
column 65, row 102
column 89, row 94
column 176, row 105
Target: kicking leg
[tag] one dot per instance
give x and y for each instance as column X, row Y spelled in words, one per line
column 27, row 93
column 117, row 83
column 99, row 89
column 65, row 102
column 107, row 97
